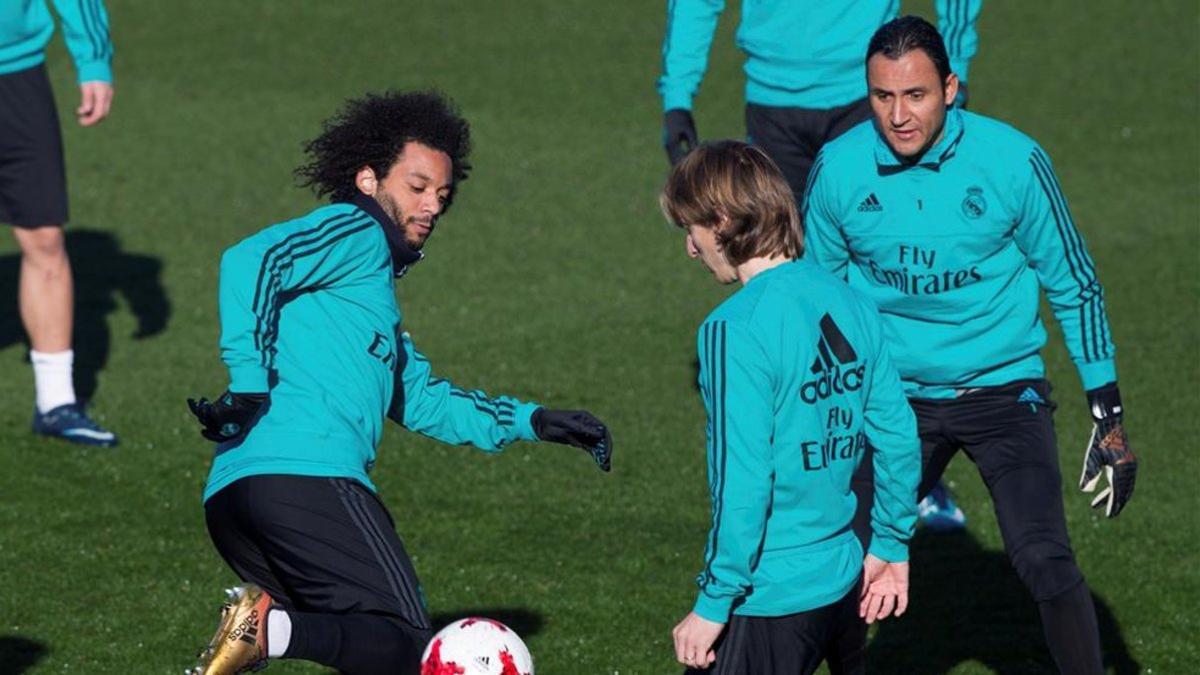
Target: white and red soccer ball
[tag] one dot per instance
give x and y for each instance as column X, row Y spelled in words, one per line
column 476, row 646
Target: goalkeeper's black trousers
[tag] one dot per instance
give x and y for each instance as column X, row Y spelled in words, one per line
column 1008, row 432
column 327, row 551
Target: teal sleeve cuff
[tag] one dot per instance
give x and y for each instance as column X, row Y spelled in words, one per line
column 960, row 67
column 674, row 100
column 713, row 609
column 248, row 379
column 888, row 549
column 1097, row 373
column 94, row 71
column 523, row 419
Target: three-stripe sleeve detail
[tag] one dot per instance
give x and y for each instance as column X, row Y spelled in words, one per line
column 714, row 385
column 501, row 411
column 403, row 588
column 1092, row 326
column 267, row 302
column 95, row 27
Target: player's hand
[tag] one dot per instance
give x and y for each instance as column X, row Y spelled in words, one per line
column 578, row 428
column 960, row 100
column 884, row 590
column 694, row 638
column 95, row 100
column 679, row 134
column 225, row 418
column 1108, row 454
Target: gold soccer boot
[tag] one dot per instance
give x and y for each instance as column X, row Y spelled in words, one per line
column 240, row 643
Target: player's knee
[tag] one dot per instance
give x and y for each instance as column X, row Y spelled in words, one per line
column 43, row 246
column 1047, row 568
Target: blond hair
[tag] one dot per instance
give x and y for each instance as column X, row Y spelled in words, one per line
column 735, row 188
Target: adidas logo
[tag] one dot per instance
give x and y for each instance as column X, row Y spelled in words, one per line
column 833, row 366
column 870, row 204
column 247, row 630
column 1032, row 398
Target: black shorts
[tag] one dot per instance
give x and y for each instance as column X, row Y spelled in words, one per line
column 33, row 179
column 316, row 544
column 793, row 136
column 795, row 644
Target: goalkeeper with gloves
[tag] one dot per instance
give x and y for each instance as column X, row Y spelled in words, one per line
column 953, row 223
column 312, row 335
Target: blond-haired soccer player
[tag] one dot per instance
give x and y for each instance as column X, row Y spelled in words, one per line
column 796, row 382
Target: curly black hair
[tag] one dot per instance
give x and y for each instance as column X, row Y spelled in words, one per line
column 372, row 130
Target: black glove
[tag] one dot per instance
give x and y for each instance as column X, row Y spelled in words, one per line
column 578, row 428
column 1108, row 453
column 226, row 417
column 679, row 134
column 960, row 101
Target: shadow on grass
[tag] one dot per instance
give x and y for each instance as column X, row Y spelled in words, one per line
column 18, row 654
column 525, row 622
column 102, row 271
column 966, row 604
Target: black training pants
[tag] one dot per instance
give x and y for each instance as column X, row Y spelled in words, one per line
column 795, row 644
column 327, row 551
column 792, row 137
column 1008, row 432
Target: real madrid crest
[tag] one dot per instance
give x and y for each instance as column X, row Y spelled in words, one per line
column 974, row 205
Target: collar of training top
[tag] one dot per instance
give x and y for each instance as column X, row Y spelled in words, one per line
column 935, row 156
column 403, row 255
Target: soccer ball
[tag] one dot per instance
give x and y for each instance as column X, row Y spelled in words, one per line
column 476, row 646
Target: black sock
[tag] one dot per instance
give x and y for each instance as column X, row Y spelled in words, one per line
column 356, row 644
column 1069, row 623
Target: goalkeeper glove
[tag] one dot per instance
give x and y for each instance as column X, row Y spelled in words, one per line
column 679, row 134
column 225, row 418
column 1108, row 454
column 578, row 428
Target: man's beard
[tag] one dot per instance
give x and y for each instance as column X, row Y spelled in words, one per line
column 392, row 209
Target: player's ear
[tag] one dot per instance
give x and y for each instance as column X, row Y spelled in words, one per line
column 366, row 181
column 950, row 89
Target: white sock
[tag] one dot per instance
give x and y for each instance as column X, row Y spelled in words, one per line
column 279, row 632
column 52, row 378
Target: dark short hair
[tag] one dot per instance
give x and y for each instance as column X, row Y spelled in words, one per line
column 372, row 131
column 900, row 36
column 738, row 182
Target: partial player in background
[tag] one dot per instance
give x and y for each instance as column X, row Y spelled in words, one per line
column 804, row 87
column 33, row 191
column 313, row 339
column 796, row 379
column 952, row 223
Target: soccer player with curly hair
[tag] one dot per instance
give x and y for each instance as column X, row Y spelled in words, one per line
column 313, row 339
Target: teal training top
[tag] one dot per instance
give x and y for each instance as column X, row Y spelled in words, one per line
column 796, row 381
column 309, row 314
column 953, row 249
column 799, row 53
column 26, row 27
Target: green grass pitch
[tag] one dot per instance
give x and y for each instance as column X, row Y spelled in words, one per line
column 554, row 278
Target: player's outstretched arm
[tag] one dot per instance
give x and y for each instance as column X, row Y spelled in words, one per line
column 1108, row 455
column 434, row 407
